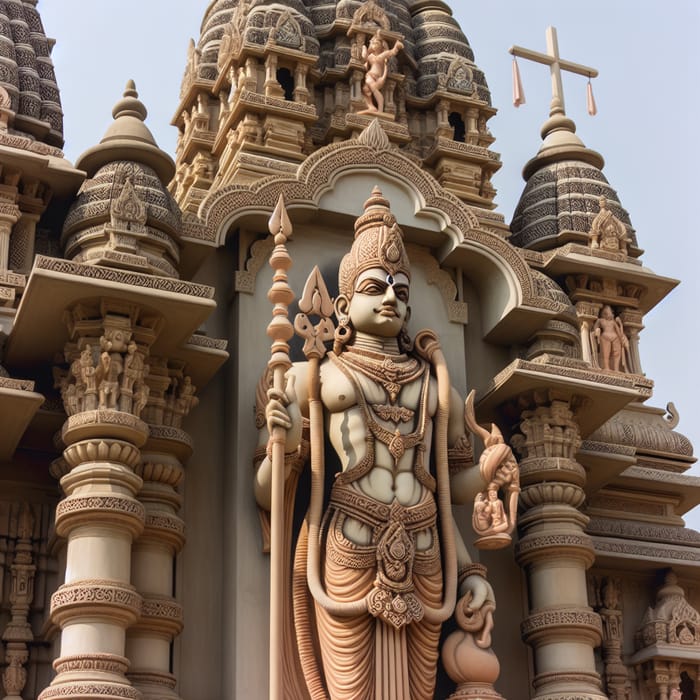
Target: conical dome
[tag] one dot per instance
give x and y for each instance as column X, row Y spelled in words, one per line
column 124, row 215
column 27, row 73
column 445, row 58
column 564, row 184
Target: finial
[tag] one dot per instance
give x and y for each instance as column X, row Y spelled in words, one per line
column 130, row 105
column 376, row 200
column 279, row 224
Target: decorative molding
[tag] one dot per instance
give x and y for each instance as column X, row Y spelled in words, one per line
column 637, row 530
column 660, row 553
column 76, row 689
column 323, row 166
column 125, row 277
column 574, row 620
column 118, row 601
column 204, row 341
column 96, row 450
column 16, row 384
column 533, row 547
column 108, row 663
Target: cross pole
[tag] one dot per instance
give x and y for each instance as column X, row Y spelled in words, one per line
column 556, row 65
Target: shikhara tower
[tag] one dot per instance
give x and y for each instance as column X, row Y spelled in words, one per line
column 133, row 309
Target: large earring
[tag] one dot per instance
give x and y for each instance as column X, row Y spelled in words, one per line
column 405, row 341
column 342, row 335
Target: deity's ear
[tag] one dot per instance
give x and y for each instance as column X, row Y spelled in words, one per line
column 341, row 305
column 408, row 314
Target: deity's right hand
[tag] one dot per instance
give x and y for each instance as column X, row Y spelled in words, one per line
column 282, row 410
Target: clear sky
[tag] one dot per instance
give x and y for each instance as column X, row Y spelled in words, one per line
column 648, row 97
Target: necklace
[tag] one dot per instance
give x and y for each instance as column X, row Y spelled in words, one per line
column 391, row 372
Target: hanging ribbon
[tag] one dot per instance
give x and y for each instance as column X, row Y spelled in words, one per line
column 518, row 93
column 590, row 100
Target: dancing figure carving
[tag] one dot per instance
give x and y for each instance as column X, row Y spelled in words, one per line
column 376, row 57
column 377, row 573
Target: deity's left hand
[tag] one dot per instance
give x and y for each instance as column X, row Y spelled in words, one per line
column 475, row 609
column 479, row 591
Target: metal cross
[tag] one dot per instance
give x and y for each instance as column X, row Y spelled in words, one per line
column 556, row 65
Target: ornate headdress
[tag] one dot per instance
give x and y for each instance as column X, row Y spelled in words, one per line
column 378, row 243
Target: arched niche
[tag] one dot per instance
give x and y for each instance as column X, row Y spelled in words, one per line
column 330, row 188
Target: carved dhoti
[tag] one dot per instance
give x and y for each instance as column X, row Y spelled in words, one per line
column 390, row 652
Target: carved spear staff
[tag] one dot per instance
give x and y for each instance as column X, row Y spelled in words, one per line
column 280, row 330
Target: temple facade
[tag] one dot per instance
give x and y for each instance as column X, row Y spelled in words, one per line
column 151, row 304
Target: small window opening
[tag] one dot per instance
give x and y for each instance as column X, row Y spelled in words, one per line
column 285, row 79
column 457, row 123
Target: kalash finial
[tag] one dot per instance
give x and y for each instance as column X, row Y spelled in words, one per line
column 130, row 105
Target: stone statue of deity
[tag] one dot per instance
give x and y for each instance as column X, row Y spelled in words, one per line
column 383, row 568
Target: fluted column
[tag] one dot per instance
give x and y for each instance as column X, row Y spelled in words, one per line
column 149, row 641
column 555, row 552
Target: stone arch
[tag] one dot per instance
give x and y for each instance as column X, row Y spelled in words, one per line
column 455, row 233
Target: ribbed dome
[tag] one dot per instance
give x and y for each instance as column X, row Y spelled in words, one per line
column 216, row 17
column 27, row 73
column 439, row 41
column 433, row 40
column 260, row 19
column 562, row 197
column 564, row 183
column 84, row 231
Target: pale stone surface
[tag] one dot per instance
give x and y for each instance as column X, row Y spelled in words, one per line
column 150, row 266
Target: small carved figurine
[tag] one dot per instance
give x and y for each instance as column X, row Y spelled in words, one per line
column 376, row 58
column 607, row 231
column 609, row 334
column 491, row 520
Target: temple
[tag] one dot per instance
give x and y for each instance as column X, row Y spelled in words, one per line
column 148, row 309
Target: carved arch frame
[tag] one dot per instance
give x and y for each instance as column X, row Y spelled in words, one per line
column 457, row 223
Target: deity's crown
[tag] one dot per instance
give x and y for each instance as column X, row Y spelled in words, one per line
column 378, row 243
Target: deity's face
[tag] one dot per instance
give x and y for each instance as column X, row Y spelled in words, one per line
column 379, row 304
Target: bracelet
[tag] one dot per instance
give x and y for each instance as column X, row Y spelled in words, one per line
column 288, row 456
column 471, row 570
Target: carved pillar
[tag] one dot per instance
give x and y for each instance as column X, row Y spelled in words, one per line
column 472, row 135
column 153, row 557
column 272, row 87
column 555, row 553
column 617, row 682
column 442, row 111
column 301, row 91
column 587, row 313
column 100, row 516
column 632, row 322
column 357, row 102
column 9, row 214
column 251, row 74
column 18, row 633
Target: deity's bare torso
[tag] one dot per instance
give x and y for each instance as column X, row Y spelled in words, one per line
column 390, row 468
